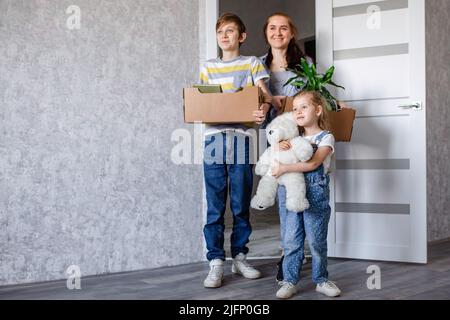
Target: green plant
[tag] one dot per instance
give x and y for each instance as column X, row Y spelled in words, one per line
column 307, row 78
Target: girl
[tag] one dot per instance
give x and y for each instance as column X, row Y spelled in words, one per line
column 310, row 114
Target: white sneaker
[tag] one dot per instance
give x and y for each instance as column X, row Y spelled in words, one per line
column 286, row 291
column 241, row 266
column 328, row 288
column 215, row 275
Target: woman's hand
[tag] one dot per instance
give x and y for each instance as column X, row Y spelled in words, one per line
column 278, row 102
column 342, row 105
column 284, row 145
column 278, row 169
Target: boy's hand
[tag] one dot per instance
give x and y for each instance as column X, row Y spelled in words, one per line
column 260, row 115
column 284, row 145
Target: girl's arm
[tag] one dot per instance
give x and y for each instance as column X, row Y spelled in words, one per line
column 318, row 158
column 260, row 115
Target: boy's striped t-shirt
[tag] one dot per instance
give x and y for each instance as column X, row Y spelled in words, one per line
column 232, row 75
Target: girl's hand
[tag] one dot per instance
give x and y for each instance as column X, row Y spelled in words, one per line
column 277, row 169
column 284, row 145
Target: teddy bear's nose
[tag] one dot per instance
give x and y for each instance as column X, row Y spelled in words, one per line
column 270, row 132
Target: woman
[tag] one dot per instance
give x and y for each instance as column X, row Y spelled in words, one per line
column 281, row 34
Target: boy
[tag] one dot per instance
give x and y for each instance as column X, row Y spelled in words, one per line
column 232, row 71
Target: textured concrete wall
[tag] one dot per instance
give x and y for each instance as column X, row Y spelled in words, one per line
column 85, row 124
column 438, row 118
column 255, row 12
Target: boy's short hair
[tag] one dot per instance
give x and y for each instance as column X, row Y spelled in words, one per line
column 229, row 18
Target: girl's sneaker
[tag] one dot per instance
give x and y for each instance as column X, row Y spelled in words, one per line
column 328, row 288
column 286, row 291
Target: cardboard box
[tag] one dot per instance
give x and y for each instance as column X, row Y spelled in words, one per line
column 235, row 107
column 341, row 122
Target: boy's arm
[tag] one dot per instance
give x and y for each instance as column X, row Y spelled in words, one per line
column 204, row 79
column 260, row 115
column 318, row 158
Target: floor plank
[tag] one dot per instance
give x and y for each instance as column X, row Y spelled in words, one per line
column 398, row 281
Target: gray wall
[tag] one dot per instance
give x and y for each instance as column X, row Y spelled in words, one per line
column 438, row 118
column 86, row 118
column 304, row 14
column 254, row 13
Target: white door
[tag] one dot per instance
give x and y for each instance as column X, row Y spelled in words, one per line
column 378, row 188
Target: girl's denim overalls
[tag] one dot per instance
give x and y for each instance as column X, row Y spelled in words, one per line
column 311, row 223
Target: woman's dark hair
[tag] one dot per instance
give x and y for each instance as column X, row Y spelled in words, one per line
column 294, row 53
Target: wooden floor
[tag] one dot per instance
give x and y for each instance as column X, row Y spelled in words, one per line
column 265, row 237
column 398, row 281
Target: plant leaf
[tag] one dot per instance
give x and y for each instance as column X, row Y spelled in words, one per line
column 291, row 80
column 328, row 74
column 298, row 84
column 336, row 85
column 298, row 72
column 326, row 92
column 313, row 69
column 307, row 78
column 330, row 99
column 309, row 75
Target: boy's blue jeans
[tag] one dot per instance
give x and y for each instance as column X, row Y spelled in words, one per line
column 227, row 169
column 311, row 223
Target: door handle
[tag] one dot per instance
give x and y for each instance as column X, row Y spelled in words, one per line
column 415, row 106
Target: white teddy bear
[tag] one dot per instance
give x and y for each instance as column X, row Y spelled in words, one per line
column 282, row 128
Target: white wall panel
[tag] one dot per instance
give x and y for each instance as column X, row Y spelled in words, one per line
column 378, row 138
column 373, row 186
column 343, row 3
column 352, row 31
column 373, row 78
column 373, row 229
